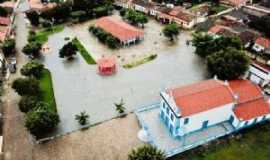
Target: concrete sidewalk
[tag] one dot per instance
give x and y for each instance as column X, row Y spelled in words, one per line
column 161, row 138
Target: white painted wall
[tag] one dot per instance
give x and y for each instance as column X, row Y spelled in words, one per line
column 258, row 75
column 214, row 116
column 258, row 48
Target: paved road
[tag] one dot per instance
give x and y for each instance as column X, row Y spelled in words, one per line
column 17, row 140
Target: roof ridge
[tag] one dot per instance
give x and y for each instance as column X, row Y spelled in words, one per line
column 203, row 90
column 253, row 99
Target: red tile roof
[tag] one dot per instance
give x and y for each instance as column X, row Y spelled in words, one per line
column 5, row 21
column 215, row 29
column 252, row 109
column 265, row 42
column 210, row 94
column 245, row 90
column 235, row 2
column 118, row 28
column 262, row 66
column 201, row 96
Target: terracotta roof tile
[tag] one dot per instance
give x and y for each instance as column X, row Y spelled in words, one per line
column 252, row 109
column 265, row 42
column 118, row 28
column 5, row 21
column 201, row 96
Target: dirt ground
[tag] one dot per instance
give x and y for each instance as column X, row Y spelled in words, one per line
column 111, row 140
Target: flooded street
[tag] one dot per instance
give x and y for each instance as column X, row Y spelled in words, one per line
column 78, row 87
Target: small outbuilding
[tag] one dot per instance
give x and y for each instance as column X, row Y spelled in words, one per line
column 106, row 66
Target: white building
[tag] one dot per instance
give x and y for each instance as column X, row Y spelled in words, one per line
column 262, row 45
column 198, row 106
column 259, row 74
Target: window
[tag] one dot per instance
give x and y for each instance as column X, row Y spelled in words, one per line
column 263, row 118
column 163, row 105
column 186, row 120
column 246, row 123
column 167, row 110
column 172, row 117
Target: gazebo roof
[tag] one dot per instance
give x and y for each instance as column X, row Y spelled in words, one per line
column 106, row 62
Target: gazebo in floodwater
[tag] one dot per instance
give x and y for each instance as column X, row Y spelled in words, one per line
column 106, row 66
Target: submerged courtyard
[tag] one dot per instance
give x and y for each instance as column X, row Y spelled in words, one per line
column 78, row 87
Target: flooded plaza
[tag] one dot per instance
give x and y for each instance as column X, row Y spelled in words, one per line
column 78, row 87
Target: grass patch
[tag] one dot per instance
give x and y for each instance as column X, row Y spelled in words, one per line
column 46, row 86
column 86, row 56
column 142, row 61
column 42, row 36
column 218, row 8
column 253, row 144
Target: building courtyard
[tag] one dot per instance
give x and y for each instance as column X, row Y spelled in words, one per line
column 78, row 87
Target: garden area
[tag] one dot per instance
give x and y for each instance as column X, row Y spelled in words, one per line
column 87, row 57
column 252, row 143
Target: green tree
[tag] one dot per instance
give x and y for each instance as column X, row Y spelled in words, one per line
column 32, row 49
column 26, row 86
column 68, row 50
column 41, row 120
column 82, row 118
column 28, row 103
column 135, row 17
column 32, row 68
column 8, row 47
column 120, row 107
column 33, row 17
column 146, row 152
column 3, row 12
column 207, row 45
column 142, row 19
column 170, row 31
column 228, row 64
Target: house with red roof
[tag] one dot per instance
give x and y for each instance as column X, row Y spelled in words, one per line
column 236, row 3
column 198, row 106
column 121, row 30
column 177, row 14
column 262, row 45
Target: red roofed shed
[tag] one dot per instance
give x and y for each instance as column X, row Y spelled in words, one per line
column 120, row 29
column 106, row 66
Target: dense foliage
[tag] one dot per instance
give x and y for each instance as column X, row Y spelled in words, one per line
column 68, row 50
column 261, row 24
column 26, row 86
column 3, row 12
column 104, row 37
column 41, row 119
column 207, row 45
column 28, row 103
column 8, row 47
column 134, row 17
column 33, row 17
column 171, row 31
column 32, row 68
column 228, row 64
column 146, row 152
column 32, row 49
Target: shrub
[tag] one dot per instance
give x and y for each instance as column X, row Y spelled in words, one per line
column 32, row 49
column 32, row 68
column 33, row 17
column 146, row 152
column 26, row 86
column 41, row 119
column 8, row 47
column 171, row 31
column 28, row 103
column 68, row 50
column 82, row 118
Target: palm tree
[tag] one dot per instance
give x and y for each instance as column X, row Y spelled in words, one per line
column 120, row 107
column 82, row 118
column 146, row 152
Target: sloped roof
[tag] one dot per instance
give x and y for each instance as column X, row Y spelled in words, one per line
column 251, row 103
column 5, row 21
column 265, row 42
column 118, row 28
column 201, row 96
